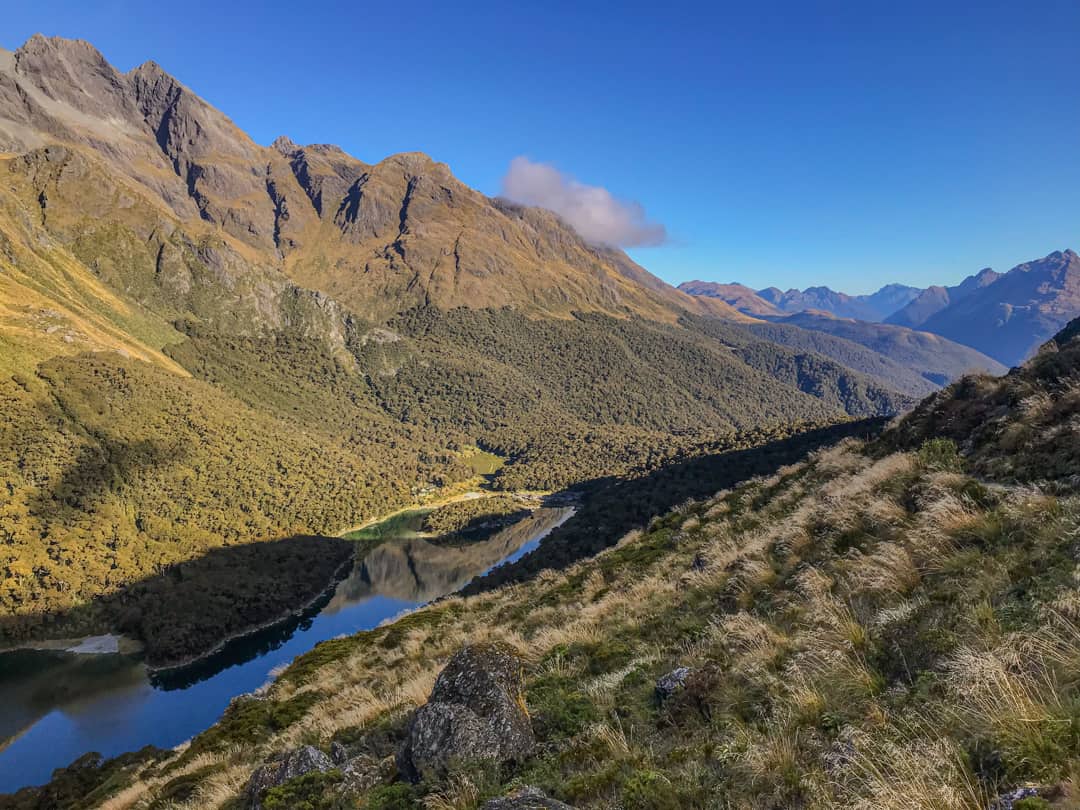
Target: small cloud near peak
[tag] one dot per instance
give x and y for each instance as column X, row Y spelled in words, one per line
column 592, row 211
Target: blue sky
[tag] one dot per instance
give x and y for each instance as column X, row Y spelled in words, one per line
column 788, row 143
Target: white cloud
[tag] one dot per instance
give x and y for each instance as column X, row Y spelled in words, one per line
column 594, row 212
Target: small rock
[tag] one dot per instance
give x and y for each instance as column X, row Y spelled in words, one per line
column 1007, row 800
column 476, row 713
column 699, row 562
column 290, row 765
column 338, row 753
column 671, row 683
column 526, row 798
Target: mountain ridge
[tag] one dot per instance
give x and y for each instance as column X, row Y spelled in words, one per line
column 876, row 306
column 192, row 158
column 1016, row 312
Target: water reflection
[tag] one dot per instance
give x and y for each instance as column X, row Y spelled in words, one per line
column 57, row 706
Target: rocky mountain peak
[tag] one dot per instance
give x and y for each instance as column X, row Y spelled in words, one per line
column 285, row 145
column 71, row 50
column 71, row 71
column 415, row 163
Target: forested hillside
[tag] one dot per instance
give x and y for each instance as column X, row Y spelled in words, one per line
column 938, row 359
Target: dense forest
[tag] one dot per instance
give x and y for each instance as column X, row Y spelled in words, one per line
column 173, row 384
column 126, row 470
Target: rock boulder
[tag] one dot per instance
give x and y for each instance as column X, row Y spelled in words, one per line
column 476, row 713
column 294, row 763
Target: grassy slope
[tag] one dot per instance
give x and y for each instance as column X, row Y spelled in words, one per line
column 865, row 629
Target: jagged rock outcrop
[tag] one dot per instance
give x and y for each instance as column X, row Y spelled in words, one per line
column 476, row 714
column 292, row 764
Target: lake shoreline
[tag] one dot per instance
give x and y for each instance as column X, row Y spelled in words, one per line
column 340, row 573
column 82, row 645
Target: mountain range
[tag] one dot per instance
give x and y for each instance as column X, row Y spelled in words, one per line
column 1004, row 315
column 773, row 301
column 212, row 348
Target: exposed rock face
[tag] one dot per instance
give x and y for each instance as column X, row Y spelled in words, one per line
column 364, row 772
column 292, row 764
column 476, row 713
column 527, row 798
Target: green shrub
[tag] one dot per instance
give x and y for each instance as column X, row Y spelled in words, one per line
column 307, row 792
column 940, row 454
column 400, row 796
column 559, row 709
column 649, row 790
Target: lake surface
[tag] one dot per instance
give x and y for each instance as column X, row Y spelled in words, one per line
column 56, row 706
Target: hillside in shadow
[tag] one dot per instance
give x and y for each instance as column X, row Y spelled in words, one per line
column 190, row 607
column 612, row 506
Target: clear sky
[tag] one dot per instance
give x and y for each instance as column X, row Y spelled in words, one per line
column 787, row 143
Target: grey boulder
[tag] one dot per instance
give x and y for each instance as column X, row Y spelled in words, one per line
column 671, row 683
column 476, row 714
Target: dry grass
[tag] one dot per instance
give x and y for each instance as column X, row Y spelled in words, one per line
column 910, row 774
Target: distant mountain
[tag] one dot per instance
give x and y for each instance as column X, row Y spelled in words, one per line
column 1009, row 316
column 739, row 296
column 890, row 298
column 1002, row 316
column 935, row 358
column 772, row 301
column 873, row 307
column 895, row 356
column 934, row 299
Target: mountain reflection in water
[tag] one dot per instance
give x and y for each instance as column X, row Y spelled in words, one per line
column 418, row 570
